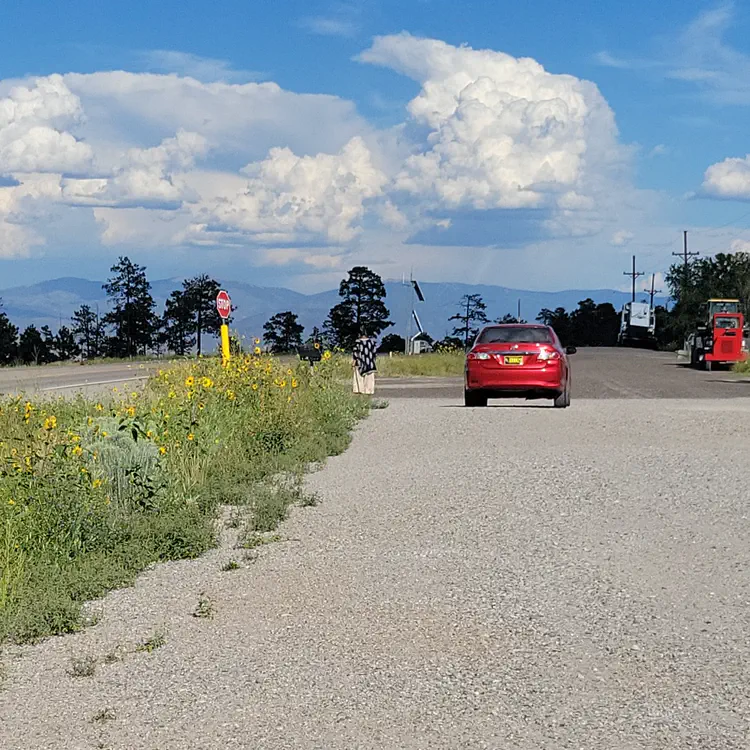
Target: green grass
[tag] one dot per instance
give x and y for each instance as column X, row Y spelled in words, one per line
column 437, row 364
column 743, row 368
column 90, row 494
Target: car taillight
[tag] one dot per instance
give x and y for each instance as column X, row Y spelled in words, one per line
column 547, row 355
column 477, row 355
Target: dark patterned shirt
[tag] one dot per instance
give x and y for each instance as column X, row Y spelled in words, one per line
column 364, row 356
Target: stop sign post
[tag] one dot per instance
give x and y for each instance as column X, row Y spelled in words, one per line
column 224, row 307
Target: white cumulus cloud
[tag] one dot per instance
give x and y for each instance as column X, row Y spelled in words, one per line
column 504, row 133
column 149, row 160
column 149, row 176
column 728, row 179
column 299, row 197
column 34, row 123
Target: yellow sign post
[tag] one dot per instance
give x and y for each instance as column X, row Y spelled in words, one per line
column 225, row 353
column 224, row 306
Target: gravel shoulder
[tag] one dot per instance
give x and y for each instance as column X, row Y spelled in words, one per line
column 493, row 578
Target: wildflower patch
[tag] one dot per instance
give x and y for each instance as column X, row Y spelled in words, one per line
column 93, row 492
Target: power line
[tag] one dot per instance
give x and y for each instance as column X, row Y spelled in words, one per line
column 722, row 226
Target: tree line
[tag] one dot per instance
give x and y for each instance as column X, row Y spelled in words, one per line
column 691, row 284
column 590, row 324
column 362, row 310
column 132, row 327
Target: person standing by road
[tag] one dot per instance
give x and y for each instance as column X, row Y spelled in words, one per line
column 363, row 362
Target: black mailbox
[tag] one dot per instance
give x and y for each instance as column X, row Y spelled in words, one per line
column 310, row 353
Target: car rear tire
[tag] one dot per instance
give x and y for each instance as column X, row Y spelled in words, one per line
column 562, row 400
column 474, row 398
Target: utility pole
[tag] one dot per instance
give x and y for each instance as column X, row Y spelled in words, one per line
column 518, row 317
column 685, row 255
column 653, row 292
column 633, row 275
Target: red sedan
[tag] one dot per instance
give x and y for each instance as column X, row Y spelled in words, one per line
column 517, row 361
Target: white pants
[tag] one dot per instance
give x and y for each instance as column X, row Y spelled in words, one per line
column 364, row 383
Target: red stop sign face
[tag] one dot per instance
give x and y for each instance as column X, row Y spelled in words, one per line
column 223, row 304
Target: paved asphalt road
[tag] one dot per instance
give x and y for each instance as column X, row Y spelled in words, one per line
column 597, row 373
column 523, row 578
column 69, row 378
column 603, row 374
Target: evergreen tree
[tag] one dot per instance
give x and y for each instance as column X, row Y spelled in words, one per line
column 88, row 330
column 31, row 346
column 362, row 310
column 559, row 320
column 8, row 340
column 471, row 313
column 48, row 355
column 178, row 323
column 133, row 314
column 65, row 344
column 283, row 332
column 200, row 293
column 316, row 335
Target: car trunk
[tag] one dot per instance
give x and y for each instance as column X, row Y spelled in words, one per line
column 516, row 355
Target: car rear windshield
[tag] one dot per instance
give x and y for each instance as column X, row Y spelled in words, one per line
column 513, row 334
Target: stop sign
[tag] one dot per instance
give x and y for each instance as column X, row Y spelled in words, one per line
column 223, row 304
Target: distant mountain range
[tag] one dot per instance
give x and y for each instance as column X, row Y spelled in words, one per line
column 52, row 302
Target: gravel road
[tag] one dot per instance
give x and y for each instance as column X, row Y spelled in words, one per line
column 473, row 578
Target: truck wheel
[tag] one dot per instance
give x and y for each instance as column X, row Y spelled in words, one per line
column 707, row 365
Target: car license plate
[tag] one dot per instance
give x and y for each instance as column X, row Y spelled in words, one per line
column 513, row 360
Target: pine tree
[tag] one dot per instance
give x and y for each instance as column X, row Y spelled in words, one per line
column 65, row 344
column 48, row 353
column 133, row 314
column 200, row 293
column 31, row 346
column 283, row 332
column 87, row 331
column 316, row 336
column 472, row 312
column 362, row 310
column 8, row 340
column 178, row 323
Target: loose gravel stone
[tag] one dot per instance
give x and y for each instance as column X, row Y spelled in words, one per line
column 473, row 578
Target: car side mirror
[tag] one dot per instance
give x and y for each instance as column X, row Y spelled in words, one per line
column 570, row 350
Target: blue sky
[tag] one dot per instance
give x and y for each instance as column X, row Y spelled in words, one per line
column 440, row 149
